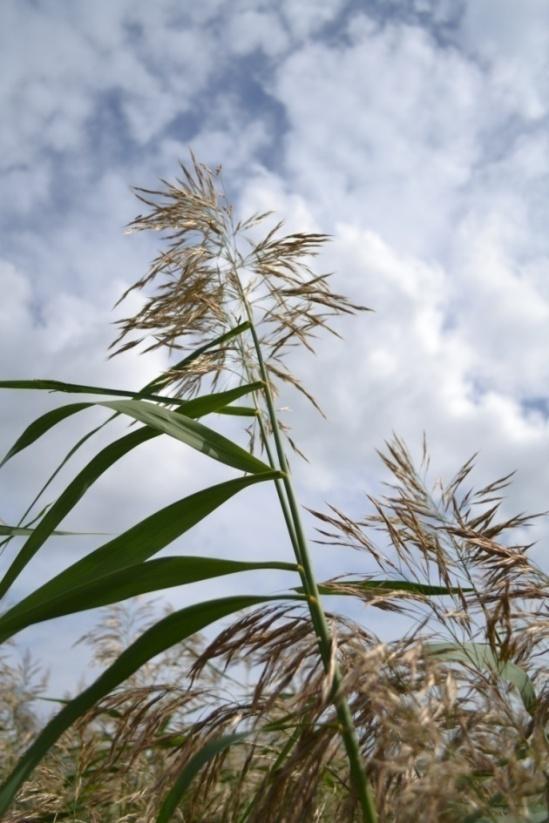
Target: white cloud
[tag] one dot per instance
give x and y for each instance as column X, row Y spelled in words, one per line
column 427, row 161
column 252, row 29
column 512, row 39
column 305, row 19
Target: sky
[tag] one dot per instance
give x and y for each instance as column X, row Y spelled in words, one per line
column 415, row 132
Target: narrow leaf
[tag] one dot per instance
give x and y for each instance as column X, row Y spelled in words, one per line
column 219, row 401
column 70, row 497
column 43, row 424
column 194, row 434
column 239, row 411
column 21, row 531
column 132, row 547
column 99, row 464
column 358, row 587
column 77, row 388
column 197, row 407
column 164, row 634
column 130, row 581
column 167, row 377
column 191, row 769
column 56, row 471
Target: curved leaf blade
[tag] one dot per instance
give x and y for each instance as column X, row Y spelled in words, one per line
column 78, row 388
column 164, row 634
column 109, row 455
column 356, row 588
column 191, row 769
column 54, row 474
column 197, row 407
column 189, row 431
column 218, row 401
column 70, row 497
column 239, row 411
column 132, row 547
column 42, row 425
column 141, row 578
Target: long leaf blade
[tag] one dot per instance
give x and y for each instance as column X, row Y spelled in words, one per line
column 198, row 407
column 353, row 587
column 239, row 411
column 191, row 769
column 70, row 497
column 191, row 432
column 132, row 547
column 219, row 401
column 21, row 531
column 42, row 425
column 141, row 578
column 164, row 634
column 96, row 467
column 44, row 384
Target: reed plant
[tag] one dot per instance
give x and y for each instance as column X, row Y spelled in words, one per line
column 448, row 723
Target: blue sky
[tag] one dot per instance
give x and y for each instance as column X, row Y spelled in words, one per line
column 416, row 133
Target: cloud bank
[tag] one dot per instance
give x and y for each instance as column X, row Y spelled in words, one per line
column 414, row 132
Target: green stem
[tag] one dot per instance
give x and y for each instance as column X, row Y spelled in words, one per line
column 320, row 624
column 270, row 457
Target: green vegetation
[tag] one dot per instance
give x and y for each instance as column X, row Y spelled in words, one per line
column 448, row 723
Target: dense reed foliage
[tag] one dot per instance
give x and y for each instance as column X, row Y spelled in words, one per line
column 331, row 723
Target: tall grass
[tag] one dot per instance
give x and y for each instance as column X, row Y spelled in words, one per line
column 449, row 723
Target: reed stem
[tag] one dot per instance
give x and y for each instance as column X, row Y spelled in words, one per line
column 318, row 617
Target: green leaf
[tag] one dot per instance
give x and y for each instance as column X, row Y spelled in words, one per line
column 168, row 376
column 217, row 402
column 21, row 531
column 164, row 634
column 194, row 434
column 113, row 587
column 78, row 388
column 191, row 408
column 70, row 497
column 56, row 471
column 98, row 465
column 239, row 411
column 191, row 769
column 132, row 547
column 480, row 655
column 43, row 424
column 356, row 588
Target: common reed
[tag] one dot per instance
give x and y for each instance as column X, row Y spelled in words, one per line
column 448, row 723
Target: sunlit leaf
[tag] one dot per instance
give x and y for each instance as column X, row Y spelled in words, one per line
column 198, row 407
column 189, row 431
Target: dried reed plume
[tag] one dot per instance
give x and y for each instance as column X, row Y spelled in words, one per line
column 208, row 265
column 447, row 733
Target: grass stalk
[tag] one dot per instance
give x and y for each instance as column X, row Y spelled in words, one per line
column 318, row 617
